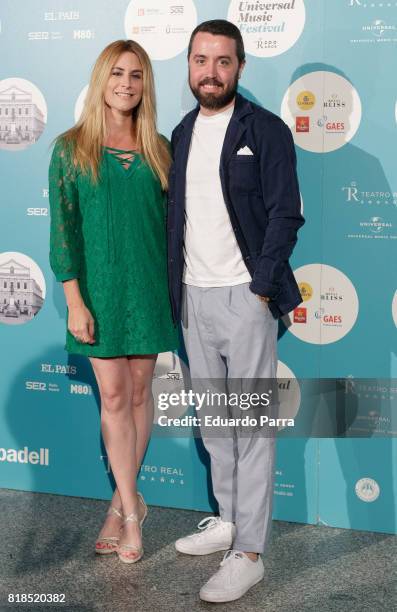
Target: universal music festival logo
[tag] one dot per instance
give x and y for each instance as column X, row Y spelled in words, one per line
column 261, row 13
column 268, row 28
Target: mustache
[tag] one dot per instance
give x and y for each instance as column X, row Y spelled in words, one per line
column 211, row 82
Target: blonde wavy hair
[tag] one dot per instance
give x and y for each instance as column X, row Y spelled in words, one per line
column 87, row 136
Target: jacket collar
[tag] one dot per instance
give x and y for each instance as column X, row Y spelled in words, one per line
column 234, row 133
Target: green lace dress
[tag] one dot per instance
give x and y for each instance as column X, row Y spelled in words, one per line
column 111, row 236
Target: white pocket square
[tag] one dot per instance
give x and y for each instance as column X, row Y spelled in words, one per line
column 244, row 151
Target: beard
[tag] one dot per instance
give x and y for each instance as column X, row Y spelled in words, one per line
column 214, row 101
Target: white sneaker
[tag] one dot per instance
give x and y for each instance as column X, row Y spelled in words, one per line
column 214, row 535
column 237, row 574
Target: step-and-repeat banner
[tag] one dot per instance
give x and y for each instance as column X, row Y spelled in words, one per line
column 328, row 68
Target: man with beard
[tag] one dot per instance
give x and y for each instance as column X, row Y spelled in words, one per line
column 233, row 216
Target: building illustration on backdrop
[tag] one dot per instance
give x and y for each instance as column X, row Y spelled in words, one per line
column 20, row 295
column 21, row 120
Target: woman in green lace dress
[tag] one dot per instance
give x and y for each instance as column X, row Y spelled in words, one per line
column 107, row 178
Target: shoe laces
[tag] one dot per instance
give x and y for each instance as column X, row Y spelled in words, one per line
column 230, row 555
column 208, row 522
column 228, row 570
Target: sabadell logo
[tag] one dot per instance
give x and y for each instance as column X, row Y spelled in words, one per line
column 367, row 489
column 24, row 455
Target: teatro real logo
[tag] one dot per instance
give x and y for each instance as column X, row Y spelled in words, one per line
column 354, row 194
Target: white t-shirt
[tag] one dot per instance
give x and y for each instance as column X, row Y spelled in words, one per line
column 212, row 255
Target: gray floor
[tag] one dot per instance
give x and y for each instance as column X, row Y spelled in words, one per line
column 46, row 547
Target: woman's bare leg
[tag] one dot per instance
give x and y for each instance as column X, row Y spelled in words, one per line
column 141, row 370
column 119, row 435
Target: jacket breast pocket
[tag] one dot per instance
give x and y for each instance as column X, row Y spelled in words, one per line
column 244, row 173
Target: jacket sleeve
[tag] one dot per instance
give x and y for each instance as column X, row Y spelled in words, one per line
column 65, row 227
column 281, row 198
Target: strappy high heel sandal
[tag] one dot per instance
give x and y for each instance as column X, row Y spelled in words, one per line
column 140, row 496
column 128, row 548
column 109, row 543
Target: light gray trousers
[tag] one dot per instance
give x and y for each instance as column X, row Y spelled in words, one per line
column 230, row 333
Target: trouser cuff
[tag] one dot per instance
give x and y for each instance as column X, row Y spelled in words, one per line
column 248, row 547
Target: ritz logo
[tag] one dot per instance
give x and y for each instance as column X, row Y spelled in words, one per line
column 319, row 313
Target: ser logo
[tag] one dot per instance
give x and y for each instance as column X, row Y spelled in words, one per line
column 37, row 212
column 33, row 385
column 176, row 10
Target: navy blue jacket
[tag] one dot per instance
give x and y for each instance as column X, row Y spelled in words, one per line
column 262, row 197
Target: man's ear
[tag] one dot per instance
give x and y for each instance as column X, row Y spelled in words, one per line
column 241, row 68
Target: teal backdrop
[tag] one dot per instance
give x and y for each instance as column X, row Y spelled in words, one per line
column 328, row 68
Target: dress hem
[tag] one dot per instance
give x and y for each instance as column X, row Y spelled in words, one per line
column 113, row 354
